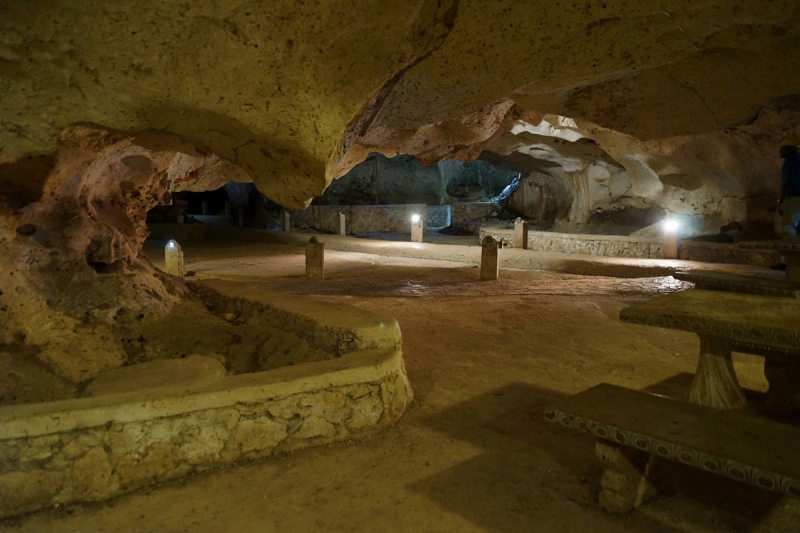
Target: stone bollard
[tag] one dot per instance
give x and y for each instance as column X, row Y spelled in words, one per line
column 520, row 234
column 315, row 259
column 287, row 221
column 672, row 246
column 416, row 228
column 173, row 257
column 342, row 224
column 204, row 207
column 490, row 259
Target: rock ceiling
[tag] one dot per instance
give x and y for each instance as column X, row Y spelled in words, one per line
column 297, row 92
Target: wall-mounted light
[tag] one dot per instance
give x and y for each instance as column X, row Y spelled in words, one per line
column 415, row 218
column 670, row 225
column 171, row 244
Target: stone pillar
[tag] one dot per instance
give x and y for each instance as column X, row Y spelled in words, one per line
column 287, row 221
column 315, row 259
column 625, row 483
column 416, row 228
column 204, row 207
column 715, row 383
column 173, row 258
column 227, row 209
column 342, row 224
column 180, row 219
column 240, row 216
column 520, row 234
column 672, row 246
column 490, row 259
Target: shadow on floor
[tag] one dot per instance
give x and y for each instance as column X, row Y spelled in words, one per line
column 538, row 476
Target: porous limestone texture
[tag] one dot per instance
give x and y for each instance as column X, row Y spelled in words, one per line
column 70, row 268
column 295, row 94
column 361, row 219
column 618, row 246
column 93, row 448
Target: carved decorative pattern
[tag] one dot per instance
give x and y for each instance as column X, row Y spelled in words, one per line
column 710, row 463
column 737, row 333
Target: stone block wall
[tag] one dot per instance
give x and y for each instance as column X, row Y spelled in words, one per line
column 621, row 246
column 361, row 219
column 438, row 216
column 98, row 462
column 179, row 232
column 464, row 211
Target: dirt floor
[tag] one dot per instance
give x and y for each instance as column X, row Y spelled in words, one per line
column 474, row 453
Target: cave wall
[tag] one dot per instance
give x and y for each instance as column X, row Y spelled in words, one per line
column 403, row 180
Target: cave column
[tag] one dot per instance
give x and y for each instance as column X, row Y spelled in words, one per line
column 204, row 207
column 287, row 221
column 173, row 259
column 342, row 224
column 315, row 259
column 490, row 259
column 520, row 234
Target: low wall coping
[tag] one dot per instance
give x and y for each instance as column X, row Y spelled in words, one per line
column 31, row 420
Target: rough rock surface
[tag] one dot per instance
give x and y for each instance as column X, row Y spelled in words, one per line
column 70, row 263
column 296, row 94
column 159, row 373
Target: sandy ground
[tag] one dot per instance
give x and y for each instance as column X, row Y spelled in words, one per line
column 474, row 453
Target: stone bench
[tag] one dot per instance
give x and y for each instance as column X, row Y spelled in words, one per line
column 790, row 250
column 637, row 428
column 724, row 281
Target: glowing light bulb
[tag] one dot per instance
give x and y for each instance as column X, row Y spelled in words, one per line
column 671, row 225
column 171, row 244
column 414, row 218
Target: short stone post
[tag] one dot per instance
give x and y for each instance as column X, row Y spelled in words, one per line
column 173, row 258
column 287, row 221
column 490, row 259
column 520, row 234
column 416, row 228
column 315, row 259
column 204, row 207
column 625, row 482
column 672, row 246
column 342, row 224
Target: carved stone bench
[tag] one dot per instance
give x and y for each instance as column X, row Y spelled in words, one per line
column 635, row 427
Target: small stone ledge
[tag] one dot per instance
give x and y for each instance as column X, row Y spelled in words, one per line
column 91, row 449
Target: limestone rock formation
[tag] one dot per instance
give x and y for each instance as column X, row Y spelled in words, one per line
column 71, row 264
column 296, row 94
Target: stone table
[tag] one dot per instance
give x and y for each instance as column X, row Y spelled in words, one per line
column 768, row 326
column 790, row 250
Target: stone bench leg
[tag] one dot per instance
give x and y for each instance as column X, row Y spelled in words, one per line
column 783, row 396
column 624, row 483
column 792, row 265
column 715, row 383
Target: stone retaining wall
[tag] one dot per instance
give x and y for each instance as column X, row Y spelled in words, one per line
column 361, row 219
column 90, row 449
column 179, row 232
column 621, row 246
column 464, row 211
